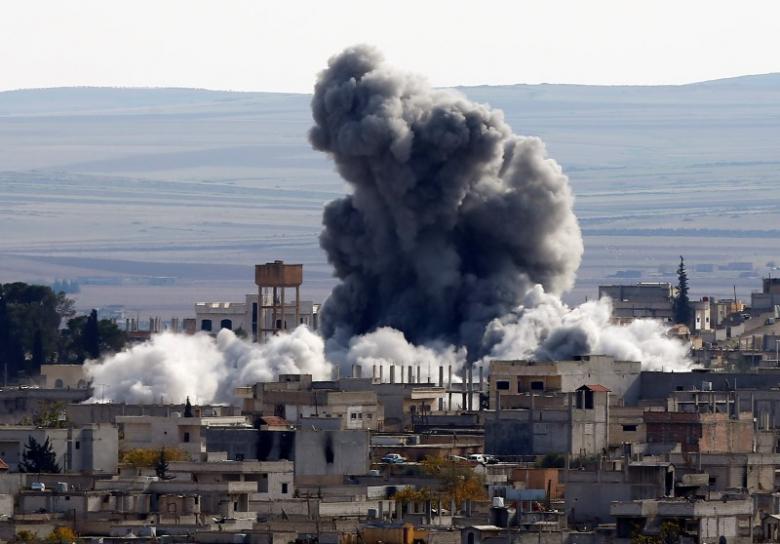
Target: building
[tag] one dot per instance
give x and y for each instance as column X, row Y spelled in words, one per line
column 511, row 378
column 183, row 433
column 89, row 449
column 700, row 521
column 768, row 298
column 63, row 376
column 242, row 316
column 575, row 423
column 642, row 300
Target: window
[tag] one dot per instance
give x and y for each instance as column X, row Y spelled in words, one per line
column 585, row 399
column 284, row 488
column 78, row 445
column 205, row 325
column 58, row 384
column 353, row 415
column 502, row 386
column 226, row 324
column 537, row 386
column 278, row 324
column 629, row 428
column 186, row 437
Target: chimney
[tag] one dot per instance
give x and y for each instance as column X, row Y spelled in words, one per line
column 392, row 373
column 441, row 376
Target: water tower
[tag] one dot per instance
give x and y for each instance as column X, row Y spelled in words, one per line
column 272, row 280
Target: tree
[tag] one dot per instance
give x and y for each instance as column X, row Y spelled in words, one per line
column 72, row 345
column 457, row 482
column 62, row 535
column 148, row 457
column 29, row 321
column 161, row 466
column 50, row 416
column 25, row 536
column 188, row 408
column 682, row 304
column 552, row 460
column 39, row 457
column 91, row 336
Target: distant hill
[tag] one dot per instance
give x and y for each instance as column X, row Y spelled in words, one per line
column 94, row 181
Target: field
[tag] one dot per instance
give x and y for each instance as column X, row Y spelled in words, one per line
column 156, row 198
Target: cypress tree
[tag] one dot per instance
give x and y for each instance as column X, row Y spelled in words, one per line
column 91, row 336
column 682, row 304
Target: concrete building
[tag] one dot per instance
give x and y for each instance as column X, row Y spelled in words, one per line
column 642, row 300
column 701, row 432
column 589, row 493
column 63, row 376
column 323, row 455
column 768, row 298
column 701, row 522
column 576, row 423
column 87, row 449
column 508, row 378
column 295, row 396
column 213, row 316
column 184, row 433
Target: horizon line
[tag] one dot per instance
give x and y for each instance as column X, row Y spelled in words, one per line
column 470, row 86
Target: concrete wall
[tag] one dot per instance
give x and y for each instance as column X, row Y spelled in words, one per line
column 319, row 453
column 239, row 443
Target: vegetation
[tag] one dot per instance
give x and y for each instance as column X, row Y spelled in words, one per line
column 670, row 534
column 25, row 536
column 188, row 408
column 682, row 304
column 149, row 457
column 86, row 337
column 39, row 457
column 551, row 460
column 62, row 535
column 457, row 482
column 30, row 335
column 161, row 465
column 30, row 317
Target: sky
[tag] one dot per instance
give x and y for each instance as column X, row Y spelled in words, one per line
column 260, row 45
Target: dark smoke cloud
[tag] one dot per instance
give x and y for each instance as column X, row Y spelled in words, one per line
column 452, row 217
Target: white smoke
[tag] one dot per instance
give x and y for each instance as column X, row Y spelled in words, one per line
column 544, row 328
column 170, row 367
column 387, row 346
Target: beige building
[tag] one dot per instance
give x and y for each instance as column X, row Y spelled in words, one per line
column 63, row 376
column 511, row 378
column 184, row 433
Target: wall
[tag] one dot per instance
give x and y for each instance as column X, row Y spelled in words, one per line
column 319, row 453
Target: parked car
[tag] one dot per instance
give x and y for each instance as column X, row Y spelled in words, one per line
column 477, row 458
column 393, row 459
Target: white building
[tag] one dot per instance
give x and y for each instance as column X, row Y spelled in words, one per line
column 214, row 316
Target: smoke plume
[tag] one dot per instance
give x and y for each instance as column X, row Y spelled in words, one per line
column 171, row 367
column 454, row 245
column 452, row 217
column 544, row 329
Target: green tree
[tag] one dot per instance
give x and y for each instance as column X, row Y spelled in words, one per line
column 161, row 466
column 72, row 345
column 552, row 460
column 91, row 336
column 30, row 320
column 38, row 457
column 682, row 304
column 188, row 408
